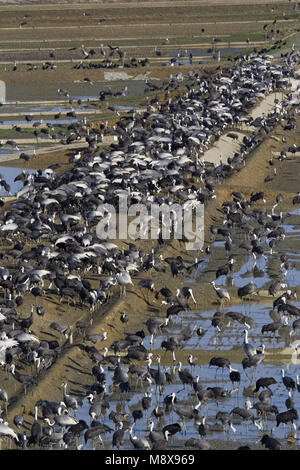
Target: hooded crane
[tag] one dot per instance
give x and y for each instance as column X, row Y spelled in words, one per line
column 248, row 289
column 36, row 429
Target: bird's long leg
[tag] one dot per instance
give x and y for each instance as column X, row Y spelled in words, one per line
column 237, row 398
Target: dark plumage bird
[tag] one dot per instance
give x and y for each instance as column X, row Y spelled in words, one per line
column 265, row 395
column 146, row 401
column 203, row 428
column 159, row 376
column 253, row 361
column 174, row 310
column 200, row 332
column 40, row 310
column 185, row 376
column 198, row 444
column 263, row 408
column 271, row 327
column 24, row 379
column 96, row 432
column 290, row 402
column 257, row 197
column 119, row 436
column 36, row 432
column 27, row 322
column 224, row 270
column 225, row 418
column 18, row 420
column 124, row 318
column 270, row 442
column 243, row 413
column 137, row 414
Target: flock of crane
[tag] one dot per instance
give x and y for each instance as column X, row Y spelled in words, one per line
column 159, row 158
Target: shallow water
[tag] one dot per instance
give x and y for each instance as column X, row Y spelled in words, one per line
column 9, row 174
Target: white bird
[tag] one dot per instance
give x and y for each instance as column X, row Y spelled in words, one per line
column 9, row 227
